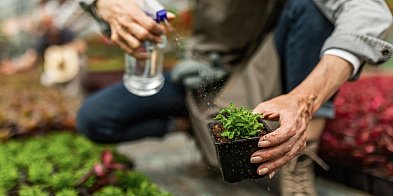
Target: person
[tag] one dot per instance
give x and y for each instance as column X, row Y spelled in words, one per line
column 58, row 44
column 51, row 30
column 285, row 59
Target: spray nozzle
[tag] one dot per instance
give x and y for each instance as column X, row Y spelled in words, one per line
column 155, row 10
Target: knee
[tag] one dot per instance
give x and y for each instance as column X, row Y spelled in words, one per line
column 93, row 124
column 85, row 121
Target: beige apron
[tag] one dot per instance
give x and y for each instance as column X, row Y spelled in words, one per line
column 239, row 31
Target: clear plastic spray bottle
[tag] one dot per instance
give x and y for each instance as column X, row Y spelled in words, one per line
column 144, row 77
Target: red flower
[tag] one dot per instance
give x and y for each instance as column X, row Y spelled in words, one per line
column 362, row 132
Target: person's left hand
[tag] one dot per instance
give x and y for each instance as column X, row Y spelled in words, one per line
column 280, row 146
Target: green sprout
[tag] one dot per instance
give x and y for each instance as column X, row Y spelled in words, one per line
column 239, row 122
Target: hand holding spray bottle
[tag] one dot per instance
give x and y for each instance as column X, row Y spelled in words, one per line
column 143, row 77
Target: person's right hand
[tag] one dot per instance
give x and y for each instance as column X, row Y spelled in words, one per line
column 129, row 24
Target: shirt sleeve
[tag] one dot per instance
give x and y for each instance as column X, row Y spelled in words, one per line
column 348, row 56
column 359, row 28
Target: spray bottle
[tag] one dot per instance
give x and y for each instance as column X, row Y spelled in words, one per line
column 143, row 77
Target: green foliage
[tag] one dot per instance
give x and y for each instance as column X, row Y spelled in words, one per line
column 109, row 191
column 55, row 162
column 63, row 180
column 67, row 192
column 239, row 122
column 8, row 176
column 131, row 179
column 139, row 185
column 39, row 172
column 32, row 191
column 147, row 189
column 23, row 159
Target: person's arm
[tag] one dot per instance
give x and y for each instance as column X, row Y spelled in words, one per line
column 28, row 60
column 25, row 62
column 359, row 27
column 294, row 110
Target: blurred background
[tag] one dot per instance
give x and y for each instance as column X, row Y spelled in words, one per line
column 38, row 104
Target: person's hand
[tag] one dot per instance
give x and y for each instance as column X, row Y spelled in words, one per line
column 129, row 24
column 280, row 146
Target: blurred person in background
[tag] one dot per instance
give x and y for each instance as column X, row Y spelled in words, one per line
column 18, row 24
column 60, row 23
column 60, row 31
column 286, row 62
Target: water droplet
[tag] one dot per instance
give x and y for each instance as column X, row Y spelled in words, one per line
column 178, row 42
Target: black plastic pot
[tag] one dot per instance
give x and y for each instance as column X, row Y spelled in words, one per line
column 234, row 157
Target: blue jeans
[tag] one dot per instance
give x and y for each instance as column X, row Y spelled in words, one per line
column 300, row 34
column 115, row 115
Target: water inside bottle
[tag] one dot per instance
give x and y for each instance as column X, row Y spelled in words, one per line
column 143, row 77
column 143, row 86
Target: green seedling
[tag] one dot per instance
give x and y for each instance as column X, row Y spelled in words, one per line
column 239, row 122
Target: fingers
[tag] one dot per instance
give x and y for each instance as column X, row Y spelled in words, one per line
column 126, row 12
column 288, row 128
column 267, row 111
column 286, row 142
column 129, row 24
column 273, row 165
column 125, row 41
column 149, row 24
column 281, row 145
column 138, row 31
column 170, row 16
column 129, row 36
column 271, row 116
column 277, row 137
column 265, row 107
column 277, row 151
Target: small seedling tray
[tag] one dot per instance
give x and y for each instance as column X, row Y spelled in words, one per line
column 361, row 179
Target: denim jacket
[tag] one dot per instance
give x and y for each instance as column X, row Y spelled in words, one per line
column 359, row 25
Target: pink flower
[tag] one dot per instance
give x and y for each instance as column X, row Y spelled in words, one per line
column 362, row 132
column 376, row 102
